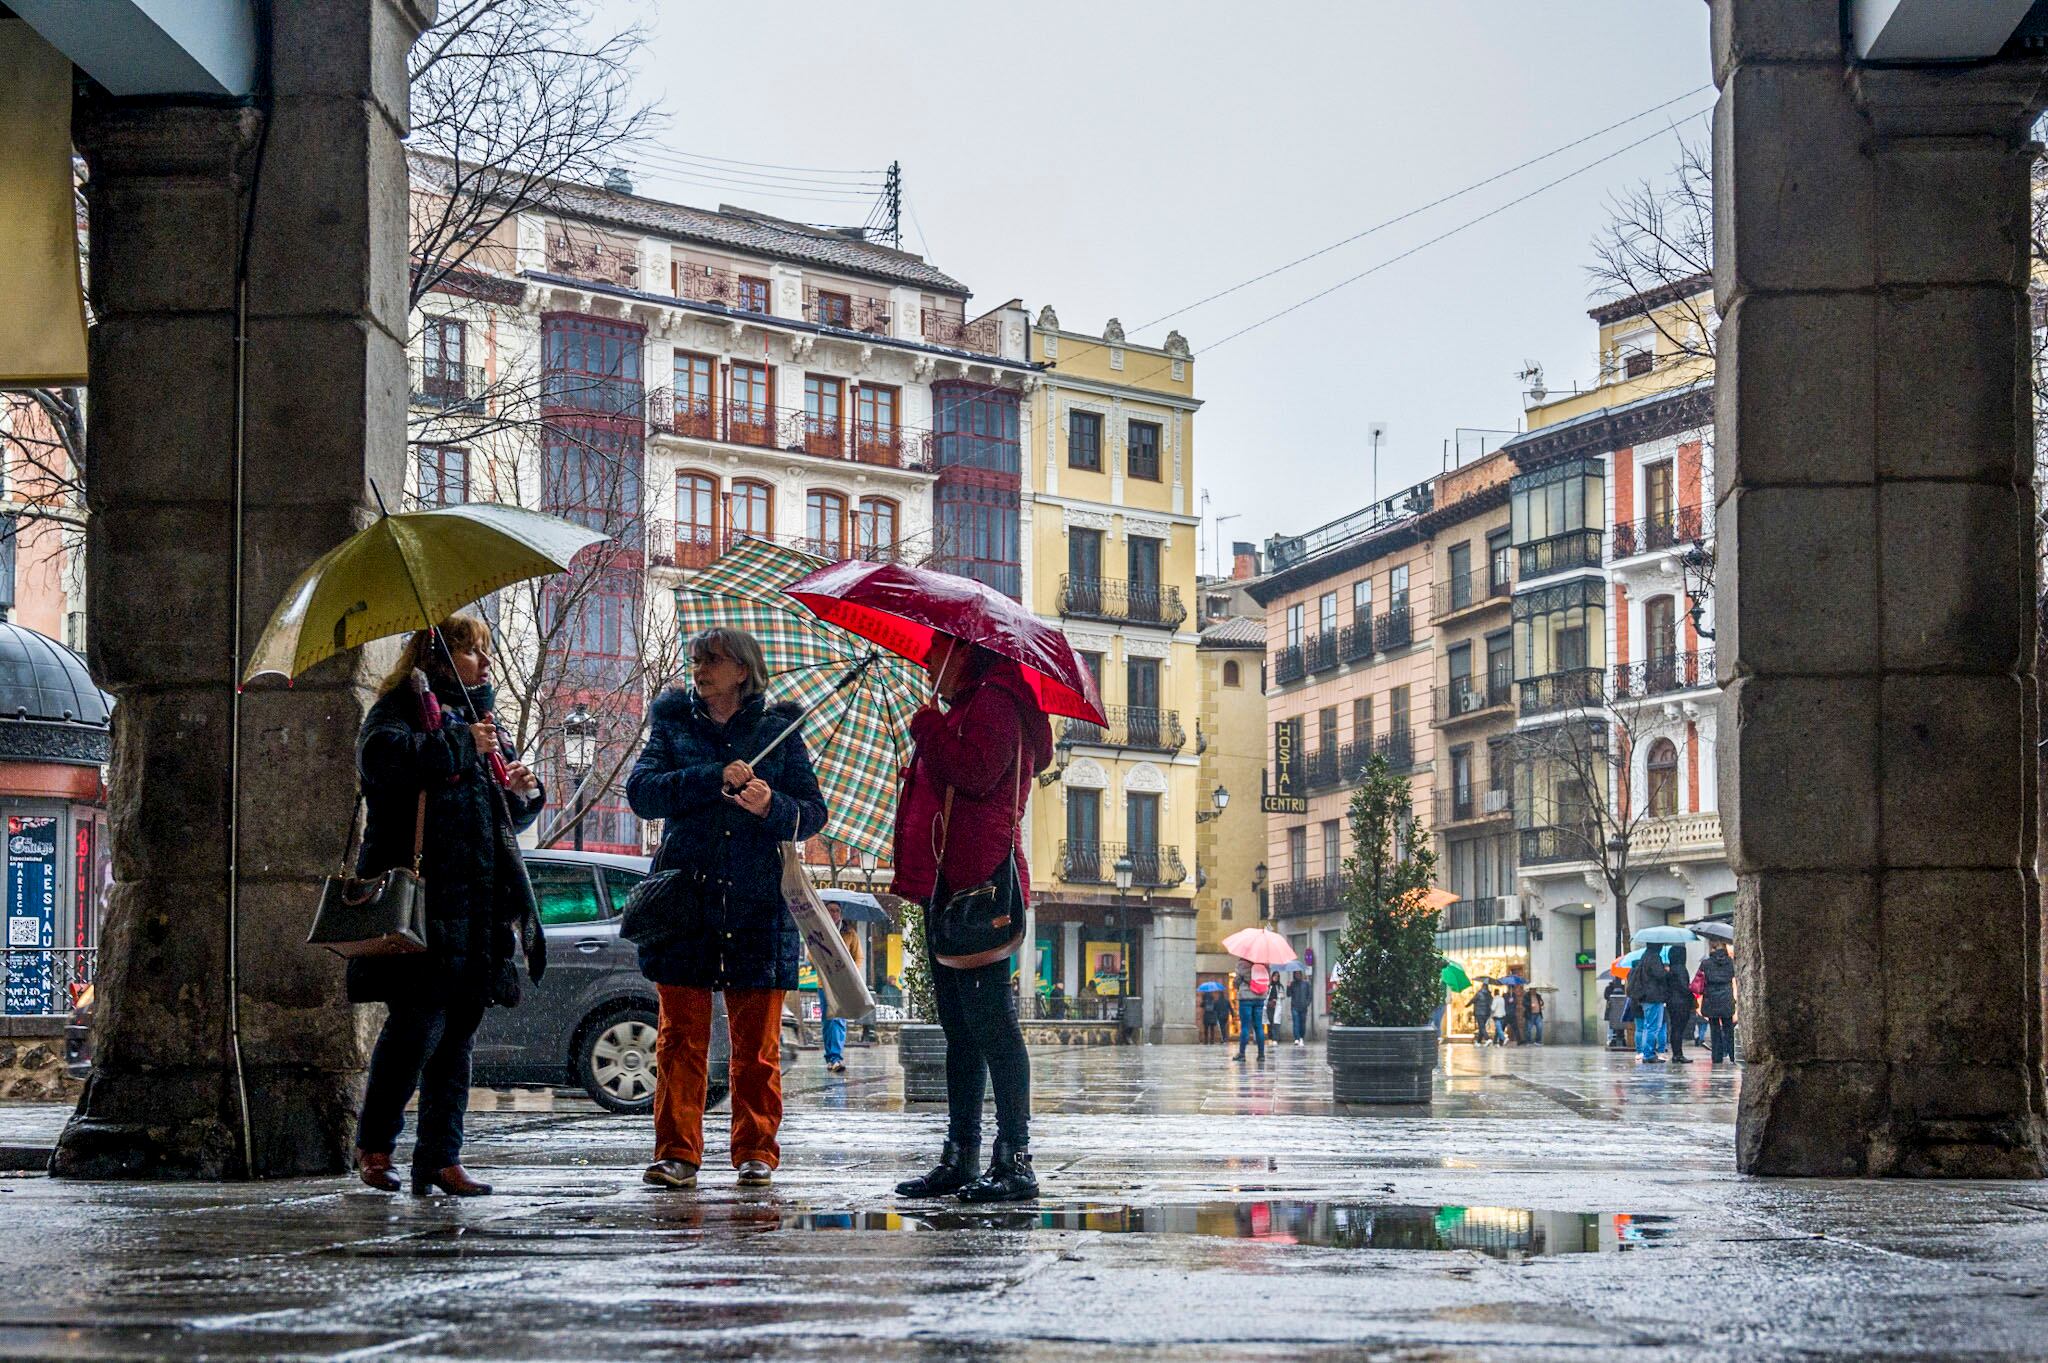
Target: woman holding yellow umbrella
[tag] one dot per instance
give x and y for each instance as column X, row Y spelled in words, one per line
column 444, row 795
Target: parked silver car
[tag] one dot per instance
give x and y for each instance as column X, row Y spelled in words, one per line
column 590, row 1022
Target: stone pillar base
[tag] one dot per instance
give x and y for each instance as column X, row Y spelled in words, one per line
column 183, row 1123
column 1830, row 1120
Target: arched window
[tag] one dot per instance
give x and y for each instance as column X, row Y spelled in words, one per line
column 1230, row 673
column 750, row 510
column 696, row 519
column 874, row 528
column 1663, row 778
column 825, row 524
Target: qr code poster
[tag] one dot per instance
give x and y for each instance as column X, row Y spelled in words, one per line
column 24, row 932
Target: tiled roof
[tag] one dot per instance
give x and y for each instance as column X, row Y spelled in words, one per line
column 738, row 230
column 1236, row 632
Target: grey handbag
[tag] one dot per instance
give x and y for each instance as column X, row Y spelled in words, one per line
column 385, row 915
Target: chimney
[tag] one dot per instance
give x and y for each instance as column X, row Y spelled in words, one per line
column 618, row 180
column 1244, row 559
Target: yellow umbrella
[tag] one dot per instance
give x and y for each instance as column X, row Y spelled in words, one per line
column 407, row 572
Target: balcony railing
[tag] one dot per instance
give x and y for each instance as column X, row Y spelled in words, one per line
column 1322, row 767
column 1320, row 651
column 1676, row 835
column 1471, row 696
column 1571, row 690
column 1561, row 553
column 1154, row 867
column 695, row 546
column 1662, row 675
column 1472, row 913
column 46, row 981
column 1354, row 641
column 1684, row 525
column 1395, row 629
column 1467, row 590
column 957, row 333
column 1398, row 747
column 1130, row 726
column 791, row 430
column 596, row 394
column 594, row 260
column 1551, row 845
column 1312, row 894
column 853, row 312
column 1110, row 598
column 450, row 387
column 1473, row 802
column 1289, row 665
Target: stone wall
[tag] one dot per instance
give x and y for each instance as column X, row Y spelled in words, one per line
column 32, row 1062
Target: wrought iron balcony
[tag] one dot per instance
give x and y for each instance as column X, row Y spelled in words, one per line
column 1130, row 726
column 1289, row 665
column 1153, row 867
column 1320, row 651
column 1395, row 629
column 1111, row 598
column 1560, row 553
column 1469, row 697
column 1663, row 675
column 1683, row 525
column 957, row 333
column 1310, row 895
column 1322, row 768
column 1354, row 641
column 1398, row 747
column 1549, row 846
column 788, row 430
column 1472, row 802
column 851, row 312
column 1573, row 690
column 448, row 386
column 1476, row 588
column 1474, row 913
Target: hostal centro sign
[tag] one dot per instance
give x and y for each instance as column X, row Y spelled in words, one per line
column 1289, row 793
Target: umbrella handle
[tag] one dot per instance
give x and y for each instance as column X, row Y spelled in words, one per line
column 858, row 671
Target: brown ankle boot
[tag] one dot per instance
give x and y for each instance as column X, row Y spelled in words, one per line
column 454, row 1181
column 375, row 1171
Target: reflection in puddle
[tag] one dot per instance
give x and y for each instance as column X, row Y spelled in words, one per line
column 1502, row 1232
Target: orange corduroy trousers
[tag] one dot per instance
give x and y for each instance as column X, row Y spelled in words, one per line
column 681, row 1054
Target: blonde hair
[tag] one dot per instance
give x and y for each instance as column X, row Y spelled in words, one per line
column 422, row 654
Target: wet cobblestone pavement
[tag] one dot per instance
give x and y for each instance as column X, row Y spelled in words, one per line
column 1553, row 1204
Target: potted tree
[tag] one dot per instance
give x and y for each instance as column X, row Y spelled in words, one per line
column 920, row 1044
column 1383, row 1034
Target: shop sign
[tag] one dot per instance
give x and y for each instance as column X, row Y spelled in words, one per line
column 1585, row 960
column 1289, row 794
column 31, row 912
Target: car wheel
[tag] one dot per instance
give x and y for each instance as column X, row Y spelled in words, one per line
column 615, row 1060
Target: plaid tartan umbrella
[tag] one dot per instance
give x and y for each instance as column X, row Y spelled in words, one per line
column 859, row 738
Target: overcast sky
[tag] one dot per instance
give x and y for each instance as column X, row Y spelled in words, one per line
column 1128, row 157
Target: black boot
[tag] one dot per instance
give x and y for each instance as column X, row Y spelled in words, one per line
column 955, row 1170
column 1008, row 1178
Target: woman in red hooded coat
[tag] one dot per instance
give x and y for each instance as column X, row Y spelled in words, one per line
column 984, row 748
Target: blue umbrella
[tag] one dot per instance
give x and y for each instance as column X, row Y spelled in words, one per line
column 1513, row 979
column 1208, row 987
column 1665, row 936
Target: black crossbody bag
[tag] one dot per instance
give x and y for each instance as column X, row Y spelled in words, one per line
column 983, row 923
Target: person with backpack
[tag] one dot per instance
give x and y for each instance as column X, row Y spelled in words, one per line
column 1482, row 1013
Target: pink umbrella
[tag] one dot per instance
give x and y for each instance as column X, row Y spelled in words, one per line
column 903, row 609
column 1260, row 946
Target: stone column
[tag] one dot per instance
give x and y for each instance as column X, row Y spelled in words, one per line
column 1877, row 579
column 169, row 189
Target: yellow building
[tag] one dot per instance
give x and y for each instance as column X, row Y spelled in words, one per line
column 1230, row 842
column 1109, row 529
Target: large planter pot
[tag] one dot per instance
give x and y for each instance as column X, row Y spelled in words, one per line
column 1382, row 1064
column 921, row 1049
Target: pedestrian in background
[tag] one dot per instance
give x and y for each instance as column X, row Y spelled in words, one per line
column 1535, row 1013
column 1617, row 1013
column 1275, row 992
column 1482, row 1014
column 1717, row 1003
column 1300, row 993
column 959, row 822
column 724, row 822
column 1251, row 1009
column 431, row 804
column 1678, row 1002
column 1646, row 992
column 832, row 1026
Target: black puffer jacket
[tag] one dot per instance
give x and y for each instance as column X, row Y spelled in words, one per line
column 477, row 891
column 735, row 932
column 1719, row 968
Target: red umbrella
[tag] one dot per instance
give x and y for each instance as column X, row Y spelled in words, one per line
column 903, row 609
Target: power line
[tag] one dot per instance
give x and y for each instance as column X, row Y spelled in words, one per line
column 1424, row 208
column 666, row 157
column 763, row 165
column 662, row 172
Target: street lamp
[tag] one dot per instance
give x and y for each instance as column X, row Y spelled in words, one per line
column 1218, row 797
column 1259, row 888
column 1123, row 871
column 579, row 751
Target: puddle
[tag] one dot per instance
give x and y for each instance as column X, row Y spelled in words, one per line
column 1501, row 1232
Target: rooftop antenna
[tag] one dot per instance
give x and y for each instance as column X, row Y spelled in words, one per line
column 1378, row 431
column 1531, row 376
column 892, row 202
